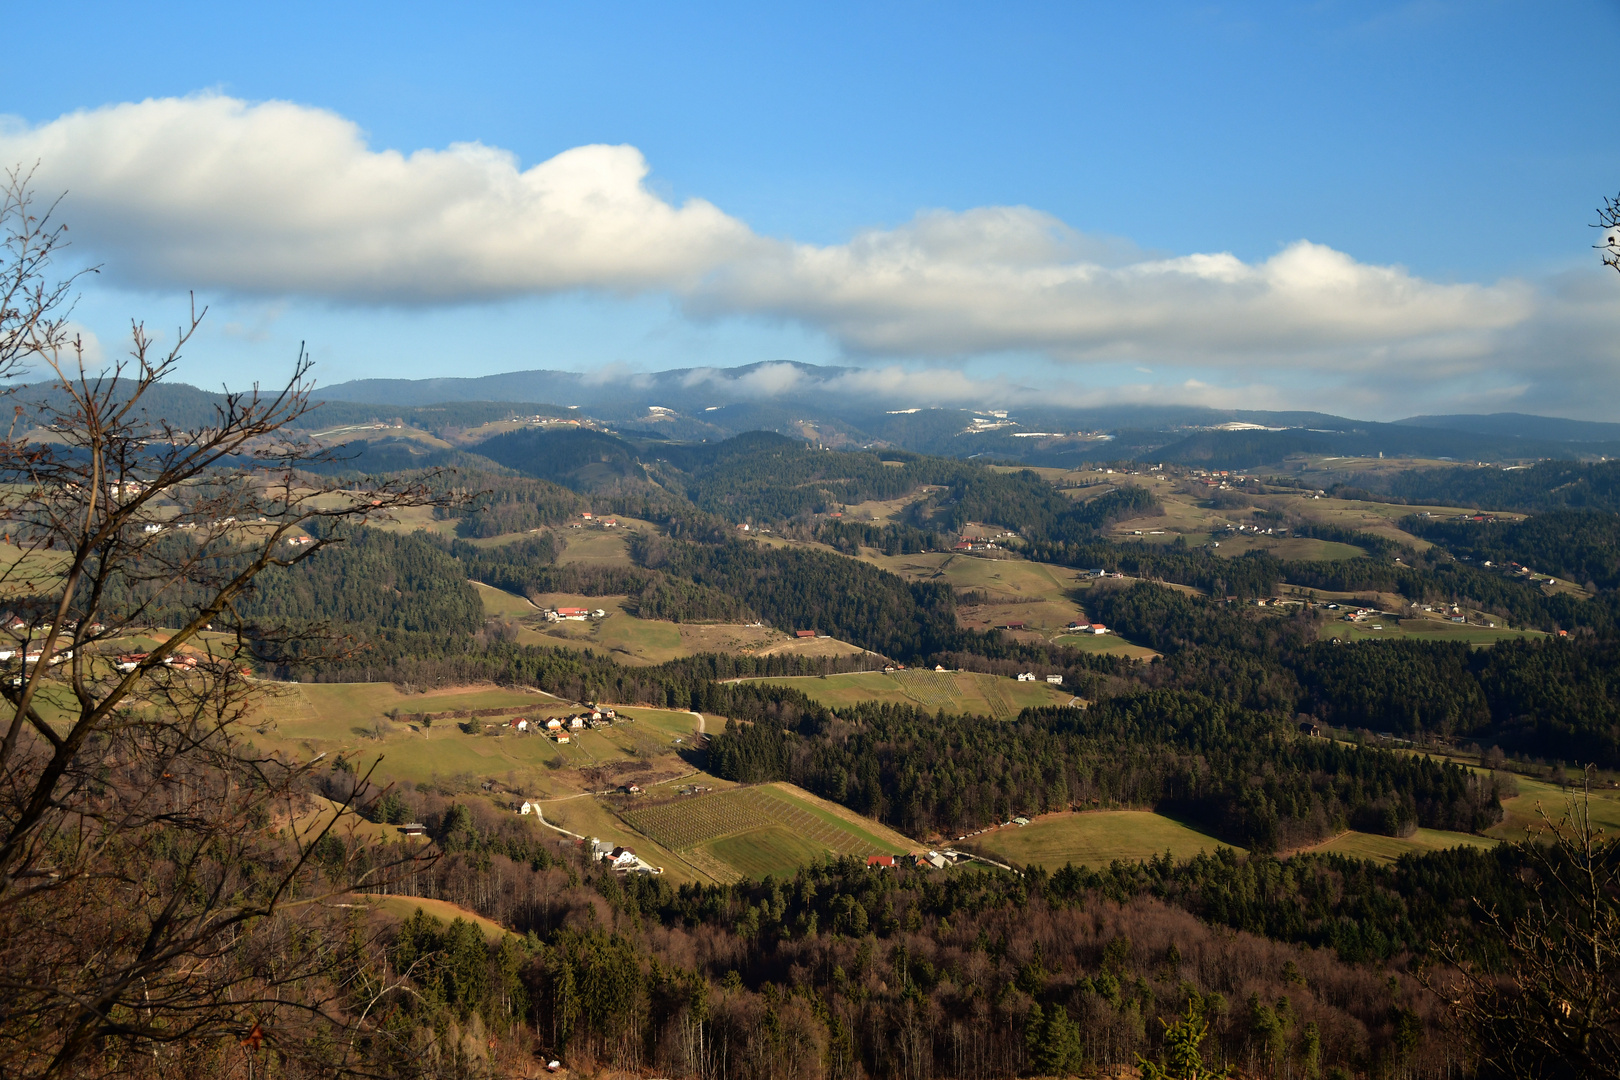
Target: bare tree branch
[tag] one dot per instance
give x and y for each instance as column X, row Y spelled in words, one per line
column 150, row 857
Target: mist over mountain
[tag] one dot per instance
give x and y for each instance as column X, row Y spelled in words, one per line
column 852, row 407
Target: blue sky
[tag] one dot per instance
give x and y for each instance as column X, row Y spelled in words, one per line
column 1442, row 160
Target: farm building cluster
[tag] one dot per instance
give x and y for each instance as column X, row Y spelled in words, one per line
column 1255, row 530
column 1030, row 676
column 620, row 857
column 1218, row 478
column 561, row 729
column 973, row 541
column 574, row 614
column 922, row 860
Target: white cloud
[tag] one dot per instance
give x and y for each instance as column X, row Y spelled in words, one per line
column 282, row 199
column 1005, row 278
column 277, row 199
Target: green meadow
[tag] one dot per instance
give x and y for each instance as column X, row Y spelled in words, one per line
column 953, row 691
column 1092, row 838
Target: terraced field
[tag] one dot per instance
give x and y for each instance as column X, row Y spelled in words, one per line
column 936, row 689
column 761, row 830
column 697, row 821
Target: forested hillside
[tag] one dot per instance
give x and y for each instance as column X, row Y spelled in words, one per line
column 1582, row 546
column 1250, row 724
column 1546, row 485
column 1175, row 752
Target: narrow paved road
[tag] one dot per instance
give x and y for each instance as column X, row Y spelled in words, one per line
column 558, row 828
column 701, row 729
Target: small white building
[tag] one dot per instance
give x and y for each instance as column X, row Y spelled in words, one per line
column 1055, row 680
column 1026, row 676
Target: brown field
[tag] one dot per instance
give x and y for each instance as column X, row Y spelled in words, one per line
column 400, row 908
column 820, row 646
column 369, row 432
column 733, row 638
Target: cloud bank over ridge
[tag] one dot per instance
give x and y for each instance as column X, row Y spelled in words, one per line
column 277, row 199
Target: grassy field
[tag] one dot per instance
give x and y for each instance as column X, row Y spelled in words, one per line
column 1185, row 513
column 1302, row 548
column 594, row 547
column 501, row 604
column 342, row 710
column 26, row 573
column 953, row 691
column 625, row 638
column 1044, row 597
column 1094, row 838
column 632, row 640
column 416, row 518
column 1109, row 644
column 1373, row 517
column 754, row 831
column 774, row 850
column 1235, row 545
column 1386, row 849
column 1521, row 809
column 302, row 721
column 1004, row 579
column 1423, row 630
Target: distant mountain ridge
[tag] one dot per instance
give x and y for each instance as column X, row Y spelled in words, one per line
column 1522, row 426
column 840, row 408
column 838, row 405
